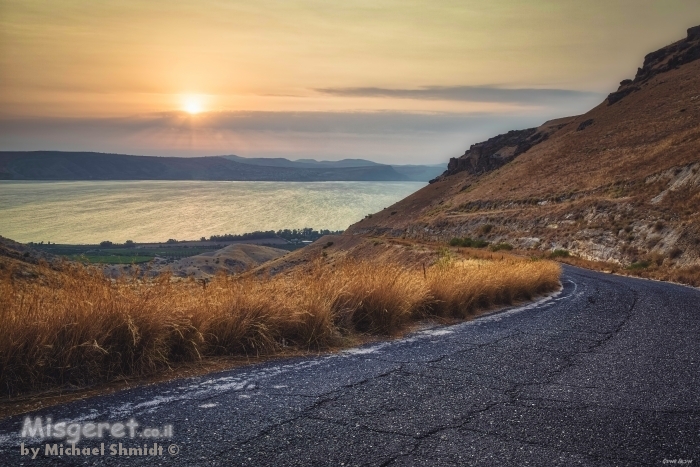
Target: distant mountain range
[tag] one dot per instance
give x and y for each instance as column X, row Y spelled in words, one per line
column 302, row 163
column 418, row 173
column 58, row 165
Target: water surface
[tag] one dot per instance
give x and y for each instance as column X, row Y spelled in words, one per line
column 144, row 211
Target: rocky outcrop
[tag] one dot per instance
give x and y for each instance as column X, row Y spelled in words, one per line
column 493, row 153
column 661, row 61
column 496, row 152
column 585, row 124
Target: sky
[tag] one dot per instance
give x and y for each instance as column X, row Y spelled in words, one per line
column 395, row 81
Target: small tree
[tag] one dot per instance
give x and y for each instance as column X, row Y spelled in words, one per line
column 106, row 243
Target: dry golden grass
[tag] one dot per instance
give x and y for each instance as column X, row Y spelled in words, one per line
column 460, row 288
column 76, row 327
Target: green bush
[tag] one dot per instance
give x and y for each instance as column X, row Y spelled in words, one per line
column 559, row 254
column 640, row 265
column 501, row 246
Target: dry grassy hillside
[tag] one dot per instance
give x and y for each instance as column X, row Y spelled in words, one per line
column 230, row 260
column 620, row 183
column 71, row 326
column 332, row 249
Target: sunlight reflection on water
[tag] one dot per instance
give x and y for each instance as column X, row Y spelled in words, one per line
column 142, row 211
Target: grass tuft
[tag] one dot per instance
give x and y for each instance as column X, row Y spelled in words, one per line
column 461, row 288
column 639, row 265
column 76, row 327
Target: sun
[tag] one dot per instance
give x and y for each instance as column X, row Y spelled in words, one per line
column 192, row 104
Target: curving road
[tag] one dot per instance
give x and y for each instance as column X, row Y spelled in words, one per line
column 605, row 373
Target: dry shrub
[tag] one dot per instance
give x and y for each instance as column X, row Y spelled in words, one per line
column 81, row 328
column 378, row 298
column 77, row 327
column 260, row 314
column 459, row 288
column 688, row 275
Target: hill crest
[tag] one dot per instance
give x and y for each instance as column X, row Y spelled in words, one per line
column 619, row 183
column 59, row 165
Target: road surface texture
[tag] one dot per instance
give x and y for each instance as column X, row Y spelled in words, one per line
column 604, row 373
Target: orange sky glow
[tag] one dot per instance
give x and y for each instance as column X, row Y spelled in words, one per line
column 114, row 75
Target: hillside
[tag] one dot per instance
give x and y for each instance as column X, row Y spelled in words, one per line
column 232, row 259
column 301, row 163
column 416, row 173
column 56, row 165
column 620, row 183
column 12, row 252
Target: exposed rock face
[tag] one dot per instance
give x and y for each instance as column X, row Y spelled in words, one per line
column 661, row 61
column 493, row 153
column 496, row 152
column 585, row 124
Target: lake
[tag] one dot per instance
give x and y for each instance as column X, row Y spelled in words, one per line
column 149, row 211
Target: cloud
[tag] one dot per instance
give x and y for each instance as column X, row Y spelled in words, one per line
column 361, row 123
column 390, row 137
column 523, row 96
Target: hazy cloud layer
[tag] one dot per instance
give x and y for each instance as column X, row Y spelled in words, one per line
column 64, row 59
column 391, row 137
column 526, row 96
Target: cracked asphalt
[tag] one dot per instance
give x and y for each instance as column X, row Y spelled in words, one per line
column 605, row 373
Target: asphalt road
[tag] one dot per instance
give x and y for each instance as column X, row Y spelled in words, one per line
column 603, row 374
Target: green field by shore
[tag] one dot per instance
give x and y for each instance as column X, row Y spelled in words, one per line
column 130, row 252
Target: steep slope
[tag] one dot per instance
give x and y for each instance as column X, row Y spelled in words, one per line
column 620, row 183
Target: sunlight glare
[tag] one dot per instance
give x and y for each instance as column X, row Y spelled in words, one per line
column 192, row 104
